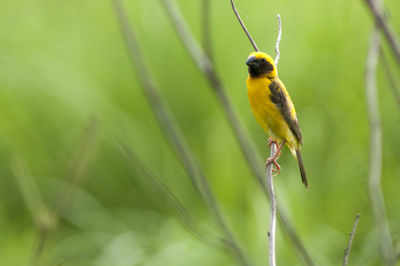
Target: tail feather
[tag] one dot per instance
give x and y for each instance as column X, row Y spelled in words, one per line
column 301, row 166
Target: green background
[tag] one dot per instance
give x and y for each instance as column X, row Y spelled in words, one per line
column 62, row 62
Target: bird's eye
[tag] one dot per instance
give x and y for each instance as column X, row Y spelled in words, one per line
column 263, row 60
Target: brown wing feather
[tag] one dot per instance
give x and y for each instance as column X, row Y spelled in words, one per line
column 278, row 97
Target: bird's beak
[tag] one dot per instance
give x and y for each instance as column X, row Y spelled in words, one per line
column 251, row 60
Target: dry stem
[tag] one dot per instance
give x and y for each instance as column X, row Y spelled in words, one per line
column 270, row 177
column 272, row 223
column 243, row 26
column 352, row 234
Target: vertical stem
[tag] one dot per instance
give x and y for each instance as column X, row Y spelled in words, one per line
column 272, row 223
column 270, row 177
column 375, row 160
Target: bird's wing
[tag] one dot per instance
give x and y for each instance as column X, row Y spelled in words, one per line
column 282, row 100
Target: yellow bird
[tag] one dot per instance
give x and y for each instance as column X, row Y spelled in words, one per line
column 272, row 107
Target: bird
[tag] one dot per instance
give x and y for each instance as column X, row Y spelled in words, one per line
column 273, row 108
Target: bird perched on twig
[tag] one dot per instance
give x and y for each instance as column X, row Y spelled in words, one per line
column 273, row 109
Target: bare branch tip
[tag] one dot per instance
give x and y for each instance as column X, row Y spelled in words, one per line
column 278, row 39
column 350, row 242
column 243, row 26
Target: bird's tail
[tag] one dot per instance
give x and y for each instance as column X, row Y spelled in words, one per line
column 301, row 166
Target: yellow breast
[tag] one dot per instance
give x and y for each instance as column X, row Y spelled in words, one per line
column 266, row 112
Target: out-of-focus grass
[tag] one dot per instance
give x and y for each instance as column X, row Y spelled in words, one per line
column 64, row 61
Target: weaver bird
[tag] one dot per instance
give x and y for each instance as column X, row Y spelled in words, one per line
column 273, row 109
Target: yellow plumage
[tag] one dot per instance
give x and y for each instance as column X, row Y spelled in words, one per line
column 272, row 106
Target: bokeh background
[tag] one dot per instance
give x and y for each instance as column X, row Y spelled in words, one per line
column 70, row 96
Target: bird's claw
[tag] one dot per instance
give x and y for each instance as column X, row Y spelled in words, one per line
column 276, row 172
column 272, row 141
column 277, row 168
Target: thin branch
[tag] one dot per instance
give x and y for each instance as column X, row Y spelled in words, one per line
column 206, row 22
column 377, row 200
column 270, row 178
column 244, row 27
column 156, row 182
column 390, row 77
column 278, row 40
column 174, row 135
column 272, row 224
column 381, row 22
column 352, row 234
column 246, row 145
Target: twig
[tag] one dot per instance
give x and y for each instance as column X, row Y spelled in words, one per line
column 390, row 77
column 272, row 224
column 174, row 135
column 244, row 27
column 377, row 201
column 352, row 234
column 246, row 145
column 383, row 25
column 269, row 176
column 278, row 40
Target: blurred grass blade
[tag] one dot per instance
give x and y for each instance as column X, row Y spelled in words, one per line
column 28, row 187
column 166, row 193
column 390, row 77
column 206, row 28
column 174, row 135
column 78, row 166
column 44, row 219
column 375, row 156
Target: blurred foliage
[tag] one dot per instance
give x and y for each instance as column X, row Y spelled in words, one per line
column 65, row 61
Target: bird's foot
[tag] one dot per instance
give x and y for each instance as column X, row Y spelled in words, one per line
column 273, row 161
column 279, row 148
column 272, row 141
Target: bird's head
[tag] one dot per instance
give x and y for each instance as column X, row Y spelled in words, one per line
column 261, row 65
